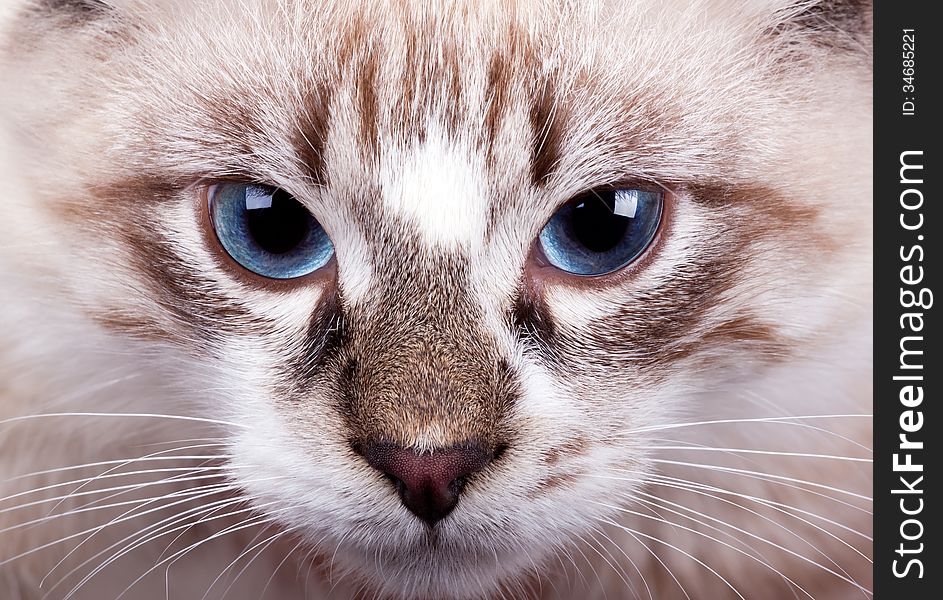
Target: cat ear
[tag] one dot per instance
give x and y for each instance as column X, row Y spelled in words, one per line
column 843, row 24
column 79, row 9
column 79, row 6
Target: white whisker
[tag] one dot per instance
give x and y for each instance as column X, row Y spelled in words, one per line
column 156, row 526
column 616, row 569
column 762, row 452
column 123, row 461
column 768, row 476
column 779, row 506
column 648, row 589
column 660, row 561
column 123, row 415
column 278, row 567
column 96, row 491
column 245, row 524
column 140, row 543
column 131, row 461
column 710, row 537
column 749, row 420
column 703, row 489
column 576, row 546
column 250, row 546
column 267, row 544
column 92, row 507
column 676, row 548
column 73, row 536
column 749, row 534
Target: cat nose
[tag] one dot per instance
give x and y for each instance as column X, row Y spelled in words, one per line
column 429, row 483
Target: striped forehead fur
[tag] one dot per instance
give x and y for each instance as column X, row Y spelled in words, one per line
column 263, row 92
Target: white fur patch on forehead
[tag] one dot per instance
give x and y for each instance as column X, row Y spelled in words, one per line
column 437, row 185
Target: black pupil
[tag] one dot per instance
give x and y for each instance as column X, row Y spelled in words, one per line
column 280, row 227
column 595, row 225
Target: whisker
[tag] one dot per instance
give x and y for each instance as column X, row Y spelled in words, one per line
column 251, row 545
column 617, row 570
column 203, row 516
column 784, row 419
column 271, row 540
column 91, row 507
column 664, row 502
column 68, row 537
column 762, row 452
column 694, row 445
column 766, row 476
column 676, row 548
column 101, row 490
column 631, row 562
column 139, row 543
column 330, row 569
column 661, row 562
column 119, row 461
column 752, row 535
column 219, row 441
column 109, row 471
column 702, row 489
column 232, row 529
column 224, row 473
column 576, row 546
column 710, row 537
column 781, row 483
column 779, row 506
column 278, row 567
column 756, row 398
column 187, row 495
column 123, row 415
column 790, row 531
column 141, row 533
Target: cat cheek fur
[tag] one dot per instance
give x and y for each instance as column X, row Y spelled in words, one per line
column 433, row 143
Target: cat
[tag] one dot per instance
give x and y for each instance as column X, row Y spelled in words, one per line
column 409, row 299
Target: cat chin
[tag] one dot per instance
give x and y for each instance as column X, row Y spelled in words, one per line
column 404, row 572
column 457, row 560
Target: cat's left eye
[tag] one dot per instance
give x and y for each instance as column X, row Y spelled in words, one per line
column 268, row 231
column 602, row 230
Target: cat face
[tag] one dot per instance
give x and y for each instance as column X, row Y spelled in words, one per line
column 438, row 390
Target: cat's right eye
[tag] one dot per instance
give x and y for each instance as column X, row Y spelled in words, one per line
column 268, row 231
column 602, row 231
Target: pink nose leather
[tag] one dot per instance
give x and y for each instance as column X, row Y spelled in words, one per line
column 429, row 484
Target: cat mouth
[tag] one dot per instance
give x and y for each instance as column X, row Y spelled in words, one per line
column 453, row 542
column 453, row 556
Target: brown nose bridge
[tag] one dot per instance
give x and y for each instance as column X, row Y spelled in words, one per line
column 428, row 381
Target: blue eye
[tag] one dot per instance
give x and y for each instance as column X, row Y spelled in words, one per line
column 267, row 231
column 601, row 231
